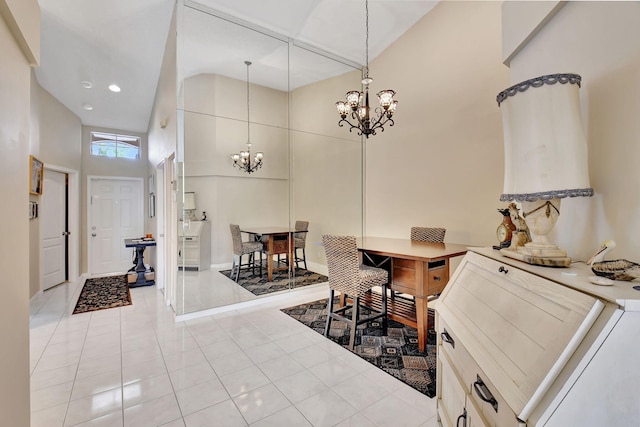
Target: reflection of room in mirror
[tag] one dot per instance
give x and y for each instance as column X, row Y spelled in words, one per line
column 293, row 91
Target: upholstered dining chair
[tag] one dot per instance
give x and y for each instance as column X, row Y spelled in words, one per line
column 428, row 234
column 240, row 249
column 353, row 280
column 299, row 242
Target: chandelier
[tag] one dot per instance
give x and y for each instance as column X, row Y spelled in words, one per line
column 243, row 161
column 356, row 112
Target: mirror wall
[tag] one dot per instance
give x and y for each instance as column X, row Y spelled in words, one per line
column 313, row 170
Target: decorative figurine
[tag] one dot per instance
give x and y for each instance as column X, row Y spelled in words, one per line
column 521, row 235
column 619, row 269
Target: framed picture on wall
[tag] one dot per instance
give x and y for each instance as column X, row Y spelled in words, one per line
column 36, row 176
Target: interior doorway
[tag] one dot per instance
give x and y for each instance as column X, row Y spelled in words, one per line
column 115, row 213
column 54, row 229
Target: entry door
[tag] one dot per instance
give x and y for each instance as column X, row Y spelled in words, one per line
column 53, row 229
column 116, row 214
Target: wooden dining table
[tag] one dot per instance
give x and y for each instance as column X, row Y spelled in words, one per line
column 416, row 268
column 275, row 240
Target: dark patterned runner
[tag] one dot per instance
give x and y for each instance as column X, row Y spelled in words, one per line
column 396, row 353
column 258, row 285
column 100, row 293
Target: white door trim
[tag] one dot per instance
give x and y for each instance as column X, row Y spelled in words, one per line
column 90, row 179
column 74, row 222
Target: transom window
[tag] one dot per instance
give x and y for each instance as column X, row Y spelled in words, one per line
column 112, row 145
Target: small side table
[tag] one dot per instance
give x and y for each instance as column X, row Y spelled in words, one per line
column 140, row 245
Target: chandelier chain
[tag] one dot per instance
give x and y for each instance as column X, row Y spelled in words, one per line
column 248, row 109
column 366, row 42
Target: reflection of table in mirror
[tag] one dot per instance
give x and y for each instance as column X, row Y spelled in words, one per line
column 138, row 267
column 275, row 240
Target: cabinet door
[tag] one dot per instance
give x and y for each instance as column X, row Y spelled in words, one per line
column 474, row 419
column 191, row 254
column 451, row 401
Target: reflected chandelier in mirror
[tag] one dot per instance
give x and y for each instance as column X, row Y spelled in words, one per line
column 243, row 160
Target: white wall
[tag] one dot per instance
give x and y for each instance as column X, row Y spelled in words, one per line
column 15, row 74
column 441, row 164
column 597, row 40
column 55, row 140
column 215, row 127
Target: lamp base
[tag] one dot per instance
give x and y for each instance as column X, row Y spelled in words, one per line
column 546, row 261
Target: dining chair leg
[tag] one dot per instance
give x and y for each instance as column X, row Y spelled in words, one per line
column 233, row 267
column 355, row 311
column 329, row 310
column 304, row 258
column 385, row 322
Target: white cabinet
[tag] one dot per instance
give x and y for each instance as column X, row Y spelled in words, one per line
column 194, row 245
column 522, row 345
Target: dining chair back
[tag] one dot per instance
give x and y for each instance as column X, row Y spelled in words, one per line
column 240, row 249
column 300, row 242
column 428, row 234
column 352, row 280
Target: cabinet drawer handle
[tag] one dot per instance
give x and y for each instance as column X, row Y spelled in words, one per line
column 503, row 270
column 437, row 278
column 447, row 338
column 462, row 418
column 483, row 393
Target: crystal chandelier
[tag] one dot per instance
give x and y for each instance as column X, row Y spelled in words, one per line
column 356, row 107
column 243, row 160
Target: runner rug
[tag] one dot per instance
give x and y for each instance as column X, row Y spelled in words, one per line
column 396, row 353
column 259, row 285
column 100, row 293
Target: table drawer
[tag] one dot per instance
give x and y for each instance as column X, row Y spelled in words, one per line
column 404, row 276
column 437, row 272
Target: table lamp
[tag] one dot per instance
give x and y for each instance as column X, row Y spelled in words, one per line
column 545, row 158
column 190, row 205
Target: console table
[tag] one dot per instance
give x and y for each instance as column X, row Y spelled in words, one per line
column 416, row 268
column 140, row 245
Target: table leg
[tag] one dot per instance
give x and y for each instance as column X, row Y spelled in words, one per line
column 421, row 320
column 270, row 259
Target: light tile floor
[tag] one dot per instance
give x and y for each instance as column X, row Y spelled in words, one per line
column 135, row 366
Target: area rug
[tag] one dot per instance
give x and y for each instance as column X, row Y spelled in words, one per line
column 100, row 293
column 396, row 353
column 258, row 285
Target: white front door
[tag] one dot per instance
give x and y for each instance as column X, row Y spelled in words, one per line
column 53, row 229
column 116, row 213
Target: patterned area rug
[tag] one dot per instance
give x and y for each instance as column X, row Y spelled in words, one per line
column 397, row 353
column 259, row 285
column 99, row 293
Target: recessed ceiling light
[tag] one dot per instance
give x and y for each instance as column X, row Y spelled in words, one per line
column 88, row 107
column 114, row 87
column 86, row 84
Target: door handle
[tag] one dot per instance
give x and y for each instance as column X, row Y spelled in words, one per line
column 484, row 394
column 66, row 233
column 93, row 234
column 447, row 338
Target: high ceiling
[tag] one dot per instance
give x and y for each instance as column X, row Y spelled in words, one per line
column 122, row 41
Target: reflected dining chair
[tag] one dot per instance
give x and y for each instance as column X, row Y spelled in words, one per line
column 428, row 234
column 299, row 242
column 240, row 249
column 353, row 280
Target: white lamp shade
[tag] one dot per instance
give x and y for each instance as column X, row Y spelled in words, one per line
column 545, row 148
column 189, row 201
